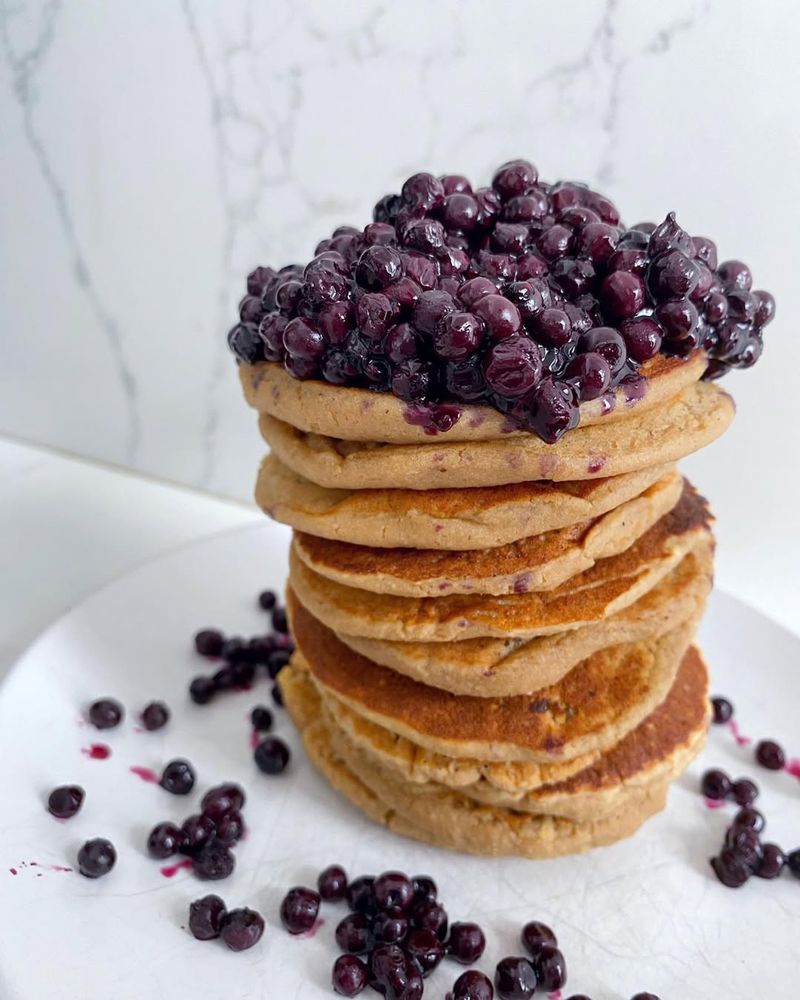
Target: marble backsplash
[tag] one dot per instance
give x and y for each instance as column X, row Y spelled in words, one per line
column 153, row 152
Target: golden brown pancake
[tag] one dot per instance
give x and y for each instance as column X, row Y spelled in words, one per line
column 601, row 591
column 354, row 414
column 451, row 820
column 590, row 709
column 451, row 519
column 305, row 703
column 661, row 435
column 540, row 562
column 489, row 667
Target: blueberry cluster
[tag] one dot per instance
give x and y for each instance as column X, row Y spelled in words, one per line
column 526, row 296
column 240, row 929
column 396, row 934
column 205, row 838
column 243, row 657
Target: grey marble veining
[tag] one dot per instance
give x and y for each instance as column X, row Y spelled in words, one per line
column 154, row 152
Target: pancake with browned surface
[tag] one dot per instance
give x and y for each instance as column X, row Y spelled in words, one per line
column 608, row 587
column 450, row 519
column 590, row 709
column 541, row 562
column 659, row 749
column 305, row 703
column 451, row 820
column 658, row 436
column 353, row 414
column 488, row 667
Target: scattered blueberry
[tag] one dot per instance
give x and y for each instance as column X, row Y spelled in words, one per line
column 715, row 784
column 209, row 642
column 550, row 967
column 744, row 791
column 472, row 985
column 770, row 754
column 213, row 861
column 178, row 777
column 221, row 800
column 514, row 979
column 261, row 719
column 349, row 976
column 332, row 883
column 64, row 801
column 424, row 949
column 299, row 909
column 105, row 713
column 206, row 917
column 771, row 863
column 466, row 942
column 96, row 858
column 723, row 710
column 155, row 716
column 267, row 599
column 197, row 831
column 271, row 755
column 202, row 689
column 165, row 839
column 353, row 934
column 534, row 935
column 242, row 928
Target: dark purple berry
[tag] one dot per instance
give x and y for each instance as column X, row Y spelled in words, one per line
column 278, row 659
column 178, row 777
column 96, row 858
column 230, row 829
column 353, row 934
column 245, row 342
column 513, row 367
column 423, row 191
column 389, row 926
column 744, row 842
column 744, row 791
column 730, row 869
column 213, row 862
column 261, row 719
column 645, row 996
column 550, row 968
column 64, row 801
column 360, row 895
column 793, row 862
column 673, row 276
column 424, row 949
column 642, row 338
column 765, row 308
column 553, row 327
column 202, row 690
column 750, row 819
column 155, row 716
column 678, row 319
column 770, row 754
column 553, row 410
column 514, row 979
column 669, row 236
column 591, row 374
column 535, row 934
column 349, row 976
column 242, row 928
column 622, row 294
column 715, row 784
column 413, row 381
column 299, row 909
column 458, row 336
column 279, row 621
column 303, row 341
column 432, row 917
column 472, row 985
column 106, row 713
column 165, row 839
column 735, row 274
column 258, row 279
column 431, row 309
column 267, row 600
column 277, row 695
column 221, row 800
column 555, row 242
column 514, row 178
column 597, row 241
column 771, row 862
column 466, row 942
column 474, row 289
column 425, row 890
column 607, row 343
column 723, row 710
column 393, row 889
column 460, row 211
column 271, row 755
column 208, row 642
column 206, row 917
column 332, row 883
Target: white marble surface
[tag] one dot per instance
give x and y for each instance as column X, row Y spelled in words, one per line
column 153, row 152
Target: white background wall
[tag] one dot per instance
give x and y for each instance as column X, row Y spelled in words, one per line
column 153, row 152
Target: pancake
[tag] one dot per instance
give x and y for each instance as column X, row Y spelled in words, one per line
column 450, row 820
column 353, row 414
column 609, row 586
column 540, row 562
column 590, row 709
column 488, row 667
column 658, row 749
column 663, row 434
column 449, row 519
column 305, row 703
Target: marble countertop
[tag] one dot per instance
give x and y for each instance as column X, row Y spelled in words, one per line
column 68, row 527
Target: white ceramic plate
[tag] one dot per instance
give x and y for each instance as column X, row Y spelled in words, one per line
column 645, row 914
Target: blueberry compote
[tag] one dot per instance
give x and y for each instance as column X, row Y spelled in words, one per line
column 523, row 295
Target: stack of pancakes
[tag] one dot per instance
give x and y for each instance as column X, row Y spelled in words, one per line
column 494, row 634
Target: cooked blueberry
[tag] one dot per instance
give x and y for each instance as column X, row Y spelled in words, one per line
column 221, row 800
column 770, row 754
column 535, row 934
column 389, row 926
column 271, row 755
column 472, row 985
column 299, row 909
column 155, row 715
column 165, row 839
column 771, row 862
column 750, row 818
column 430, row 916
column 206, row 917
column 515, row 979
column 349, row 976
column 723, row 710
column 550, row 968
column 106, row 713
column 730, row 869
column 64, row 801
column 715, row 784
column 213, row 861
column 332, row 883
column 744, row 791
column 178, row 777
column 96, row 858
column 424, row 949
column 466, row 942
column 242, row 928
column 353, row 934
column 208, row 642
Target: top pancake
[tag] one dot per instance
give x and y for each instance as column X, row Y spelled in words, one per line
column 362, row 415
column 449, row 519
column 541, row 562
column 657, row 436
